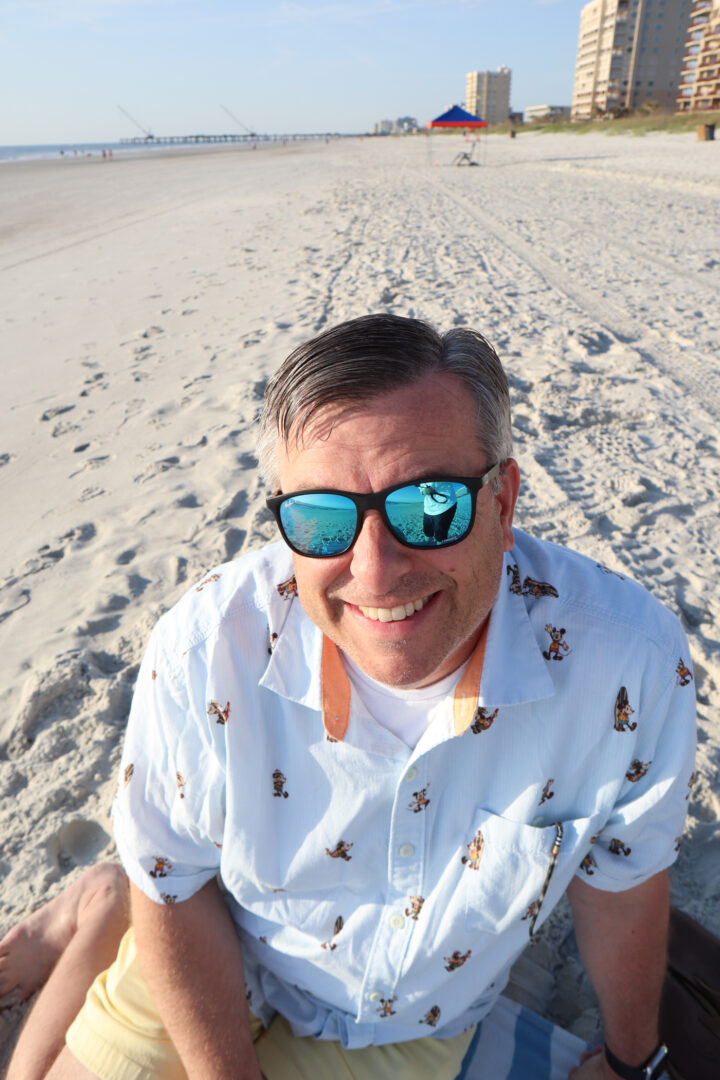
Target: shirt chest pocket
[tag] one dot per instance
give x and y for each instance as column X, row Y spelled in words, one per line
column 512, row 870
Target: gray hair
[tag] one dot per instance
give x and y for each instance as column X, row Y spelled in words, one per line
column 372, row 355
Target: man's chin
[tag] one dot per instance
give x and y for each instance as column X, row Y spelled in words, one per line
column 396, row 667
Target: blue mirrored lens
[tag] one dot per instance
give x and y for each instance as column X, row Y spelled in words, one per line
column 319, row 523
column 430, row 513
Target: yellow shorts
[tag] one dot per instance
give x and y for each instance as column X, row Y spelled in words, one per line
column 118, row 1035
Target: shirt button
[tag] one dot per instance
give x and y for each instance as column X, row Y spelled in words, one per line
column 376, row 995
column 397, row 922
column 410, row 775
column 406, row 850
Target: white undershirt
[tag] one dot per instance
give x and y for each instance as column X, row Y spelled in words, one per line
column 406, row 713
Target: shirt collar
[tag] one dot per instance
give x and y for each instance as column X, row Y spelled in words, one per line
column 293, row 670
column 514, row 671
column 506, row 667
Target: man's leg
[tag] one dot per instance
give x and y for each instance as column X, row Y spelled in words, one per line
column 67, row 1067
column 444, row 522
column 133, row 1032
column 282, row 1056
column 64, row 945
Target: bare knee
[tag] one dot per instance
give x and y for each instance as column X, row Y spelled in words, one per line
column 67, row 1067
column 105, row 894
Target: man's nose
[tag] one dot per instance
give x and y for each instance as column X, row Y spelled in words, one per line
column 378, row 559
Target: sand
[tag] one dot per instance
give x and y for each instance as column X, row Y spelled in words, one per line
column 148, row 299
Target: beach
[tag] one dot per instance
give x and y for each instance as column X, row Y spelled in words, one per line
column 147, row 300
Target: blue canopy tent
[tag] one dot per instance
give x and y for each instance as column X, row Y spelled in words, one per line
column 456, row 117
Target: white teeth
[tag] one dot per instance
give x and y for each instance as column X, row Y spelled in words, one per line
column 396, row 614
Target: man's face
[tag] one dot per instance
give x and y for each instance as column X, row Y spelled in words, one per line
column 428, row 428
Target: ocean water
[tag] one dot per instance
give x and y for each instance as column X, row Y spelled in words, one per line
column 57, row 150
column 75, row 150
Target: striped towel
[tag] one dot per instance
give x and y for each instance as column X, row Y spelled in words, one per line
column 514, row 1043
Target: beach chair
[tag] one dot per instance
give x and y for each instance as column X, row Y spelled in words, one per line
column 514, row 1043
column 465, row 157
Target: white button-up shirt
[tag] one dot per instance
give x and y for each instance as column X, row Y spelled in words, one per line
column 381, row 893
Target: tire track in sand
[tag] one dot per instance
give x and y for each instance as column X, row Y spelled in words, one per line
column 693, row 373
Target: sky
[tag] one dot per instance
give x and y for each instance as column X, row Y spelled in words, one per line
column 280, row 66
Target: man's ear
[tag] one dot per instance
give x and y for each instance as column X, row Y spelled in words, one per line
column 506, row 499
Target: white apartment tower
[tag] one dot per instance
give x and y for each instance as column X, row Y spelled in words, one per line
column 629, row 52
column 700, row 77
column 487, row 94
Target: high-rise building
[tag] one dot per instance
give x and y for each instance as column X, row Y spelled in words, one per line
column 487, row 94
column 629, row 52
column 700, row 76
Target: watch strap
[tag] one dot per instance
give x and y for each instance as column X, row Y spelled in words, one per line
column 651, row 1069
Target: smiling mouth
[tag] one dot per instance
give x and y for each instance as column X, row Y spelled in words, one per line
column 394, row 614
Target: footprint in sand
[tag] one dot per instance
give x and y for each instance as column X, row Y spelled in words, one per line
column 106, row 663
column 49, row 554
column 197, row 379
column 235, row 508
column 64, row 428
column 179, row 566
column 188, row 502
column 137, row 584
column 156, row 469
column 98, row 626
column 233, row 540
column 693, row 608
column 91, row 493
column 16, row 599
column 48, row 697
column 108, row 609
column 50, row 414
column 94, row 383
column 594, row 342
column 78, row 843
column 81, row 534
column 89, row 463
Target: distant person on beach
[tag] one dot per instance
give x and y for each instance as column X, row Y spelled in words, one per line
column 356, row 781
column 439, row 506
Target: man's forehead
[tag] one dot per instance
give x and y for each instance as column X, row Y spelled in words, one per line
column 421, row 394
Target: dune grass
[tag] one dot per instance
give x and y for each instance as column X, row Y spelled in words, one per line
column 637, row 124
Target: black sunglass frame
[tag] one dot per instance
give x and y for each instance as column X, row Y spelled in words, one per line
column 376, row 501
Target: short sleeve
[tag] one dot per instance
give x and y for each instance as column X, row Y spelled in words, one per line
column 168, row 812
column 643, row 833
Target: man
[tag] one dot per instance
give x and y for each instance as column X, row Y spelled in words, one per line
column 439, row 509
column 396, row 750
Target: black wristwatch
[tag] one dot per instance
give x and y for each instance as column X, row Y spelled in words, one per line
column 652, row 1069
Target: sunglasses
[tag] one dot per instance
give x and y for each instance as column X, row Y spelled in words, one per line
column 431, row 512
